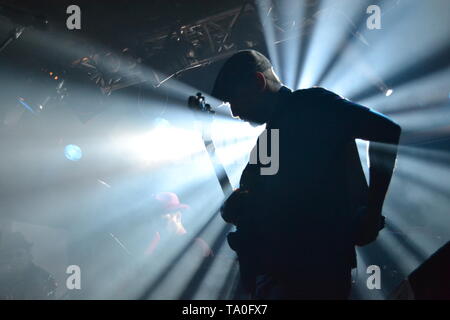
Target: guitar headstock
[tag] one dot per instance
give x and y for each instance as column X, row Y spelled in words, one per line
column 198, row 103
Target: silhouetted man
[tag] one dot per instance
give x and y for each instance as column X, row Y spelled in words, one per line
column 297, row 229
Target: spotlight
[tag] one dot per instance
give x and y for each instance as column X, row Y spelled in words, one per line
column 73, row 152
column 164, row 143
column 389, row 92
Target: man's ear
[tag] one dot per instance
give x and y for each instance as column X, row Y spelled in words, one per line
column 261, row 82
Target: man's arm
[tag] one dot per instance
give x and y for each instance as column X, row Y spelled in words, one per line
column 384, row 136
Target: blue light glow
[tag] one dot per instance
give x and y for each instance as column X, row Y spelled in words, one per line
column 73, row 152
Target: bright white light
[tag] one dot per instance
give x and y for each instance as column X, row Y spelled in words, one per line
column 162, row 144
column 161, row 122
column 389, row 92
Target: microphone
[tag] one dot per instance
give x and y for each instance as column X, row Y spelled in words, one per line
column 23, row 18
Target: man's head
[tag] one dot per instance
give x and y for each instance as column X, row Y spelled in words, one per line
column 247, row 81
column 171, row 210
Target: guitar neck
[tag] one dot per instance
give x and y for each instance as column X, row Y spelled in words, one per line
column 219, row 169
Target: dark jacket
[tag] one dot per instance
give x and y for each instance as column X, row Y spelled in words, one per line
column 301, row 220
